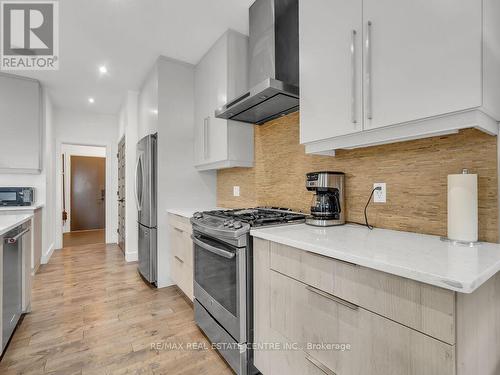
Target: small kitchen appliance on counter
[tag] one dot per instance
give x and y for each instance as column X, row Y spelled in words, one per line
column 223, row 277
column 17, row 196
column 327, row 206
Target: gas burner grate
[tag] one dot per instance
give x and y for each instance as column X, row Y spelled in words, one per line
column 261, row 216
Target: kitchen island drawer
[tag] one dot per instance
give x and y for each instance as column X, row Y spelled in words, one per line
column 423, row 307
column 344, row 338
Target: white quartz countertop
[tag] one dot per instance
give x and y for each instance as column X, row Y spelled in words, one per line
column 22, row 208
column 414, row 256
column 188, row 212
column 9, row 222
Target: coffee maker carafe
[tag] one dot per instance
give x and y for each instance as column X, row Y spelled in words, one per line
column 327, row 205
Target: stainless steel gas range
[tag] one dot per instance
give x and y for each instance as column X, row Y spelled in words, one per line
column 223, row 277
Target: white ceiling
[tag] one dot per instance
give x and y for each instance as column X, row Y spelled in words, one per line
column 127, row 36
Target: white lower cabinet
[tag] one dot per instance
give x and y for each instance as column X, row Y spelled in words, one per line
column 181, row 253
column 317, row 315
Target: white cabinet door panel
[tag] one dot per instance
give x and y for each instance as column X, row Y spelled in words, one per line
column 217, row 148
column 217, row 76
column 330, row 100
column 220, row 73
column 20, row 124
column 425, row 59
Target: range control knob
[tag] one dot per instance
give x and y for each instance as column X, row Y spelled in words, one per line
column 226, row 223
column 237, row 225
column 198, row 215
column 230, row 224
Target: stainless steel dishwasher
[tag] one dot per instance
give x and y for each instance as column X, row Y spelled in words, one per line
column 12, row 280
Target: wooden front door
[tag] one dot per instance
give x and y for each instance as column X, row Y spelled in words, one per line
column 88, row 192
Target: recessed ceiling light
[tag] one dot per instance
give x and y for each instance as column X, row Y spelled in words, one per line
column 103, row 69
column 91, row 100
column 154, row 111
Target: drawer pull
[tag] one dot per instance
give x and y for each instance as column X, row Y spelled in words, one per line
column 178, row 230
column 332, row 297
column 320, row 366
column 179, row 259
column 334, row 259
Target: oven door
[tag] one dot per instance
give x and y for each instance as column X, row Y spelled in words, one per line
column 220, row 282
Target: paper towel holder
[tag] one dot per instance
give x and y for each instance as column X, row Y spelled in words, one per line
column 458, row 242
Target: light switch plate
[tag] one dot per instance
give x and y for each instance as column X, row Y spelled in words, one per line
column 236, row 191
column 380, row 196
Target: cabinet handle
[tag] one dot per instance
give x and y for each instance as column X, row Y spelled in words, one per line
column 205, row 138
column 369, row 109
column 178, row 230
column 332, row 297
column 353, row 77
column 320, row 366
column 179, row 259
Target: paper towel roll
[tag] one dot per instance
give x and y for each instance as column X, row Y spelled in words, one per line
column 462, row 207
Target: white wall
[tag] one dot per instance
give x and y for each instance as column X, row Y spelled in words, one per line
column 26, row 180
column 128, row 127
column 75, row 150
column 169, row 88
column 49, row 211
column 84, row 128
column 148, row 105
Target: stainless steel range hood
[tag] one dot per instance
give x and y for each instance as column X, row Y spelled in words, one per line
column 274, row 64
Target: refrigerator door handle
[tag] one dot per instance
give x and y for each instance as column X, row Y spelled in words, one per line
column 139, row 204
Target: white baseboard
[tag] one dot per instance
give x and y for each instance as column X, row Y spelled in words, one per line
column 164, row 284
column 45, row 257
column 131, row 257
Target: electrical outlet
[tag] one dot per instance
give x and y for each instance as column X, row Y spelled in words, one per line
column 380, row 196
column 236, row 191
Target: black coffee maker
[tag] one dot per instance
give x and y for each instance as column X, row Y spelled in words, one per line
column 327, row 205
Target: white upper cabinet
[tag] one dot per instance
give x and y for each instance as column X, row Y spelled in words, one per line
column 20, row 125
column 381, row 71
column 423, row 59
column 330, row 38
column 220, row 76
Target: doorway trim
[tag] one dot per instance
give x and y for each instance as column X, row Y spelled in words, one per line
column 110, row 184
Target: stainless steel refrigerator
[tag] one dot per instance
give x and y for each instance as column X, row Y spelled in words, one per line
column 145, row 197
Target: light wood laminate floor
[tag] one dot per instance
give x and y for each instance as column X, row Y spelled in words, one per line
column 84, row 237
column 92, row 314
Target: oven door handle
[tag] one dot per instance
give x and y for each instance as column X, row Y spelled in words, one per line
column 213, row 249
